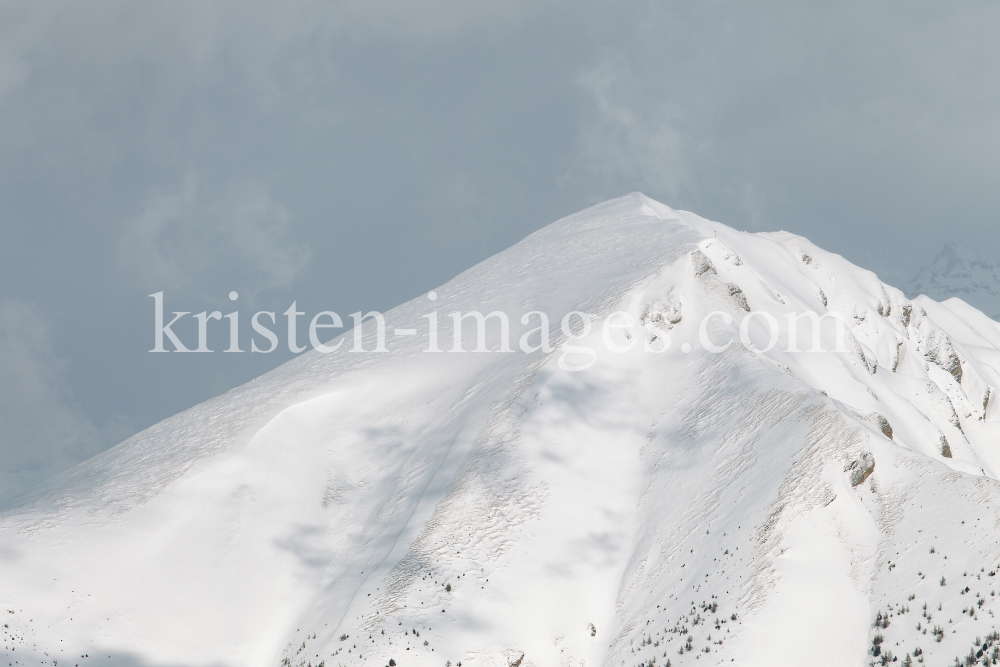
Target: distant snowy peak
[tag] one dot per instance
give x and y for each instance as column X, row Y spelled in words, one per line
column 960, row 272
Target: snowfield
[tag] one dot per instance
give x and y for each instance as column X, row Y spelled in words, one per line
column 753, row 506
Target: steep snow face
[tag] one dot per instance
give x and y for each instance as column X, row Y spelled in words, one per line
column 958, row 272
column 695, row 496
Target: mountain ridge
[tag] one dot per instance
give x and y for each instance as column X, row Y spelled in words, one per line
column 959, row 272
column 690, row 497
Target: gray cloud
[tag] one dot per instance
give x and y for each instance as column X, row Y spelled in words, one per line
column 188, row 247
column 44, row 431
column 433, row 19
column 625, row 142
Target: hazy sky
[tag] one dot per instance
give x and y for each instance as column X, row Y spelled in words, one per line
column 354, row 154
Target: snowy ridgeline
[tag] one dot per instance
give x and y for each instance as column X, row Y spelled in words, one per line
column 746, row 506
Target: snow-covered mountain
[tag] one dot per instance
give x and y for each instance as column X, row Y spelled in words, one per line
column 688, row 499
column 958, row 272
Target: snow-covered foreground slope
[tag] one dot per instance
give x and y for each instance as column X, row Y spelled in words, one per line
column 684, row 505
column 959, row 272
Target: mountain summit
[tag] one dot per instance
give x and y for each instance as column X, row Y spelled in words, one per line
column 714, row 471
column 960, row 272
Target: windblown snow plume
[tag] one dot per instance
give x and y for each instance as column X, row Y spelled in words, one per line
column 734, row 479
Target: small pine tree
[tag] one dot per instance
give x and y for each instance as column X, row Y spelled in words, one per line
column 877, row 644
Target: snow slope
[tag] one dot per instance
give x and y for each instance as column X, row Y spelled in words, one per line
column 750, row 506
column 958, row 272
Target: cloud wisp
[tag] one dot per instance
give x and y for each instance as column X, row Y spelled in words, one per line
column 193, row 248
column 623, row 142
column 44, row 430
